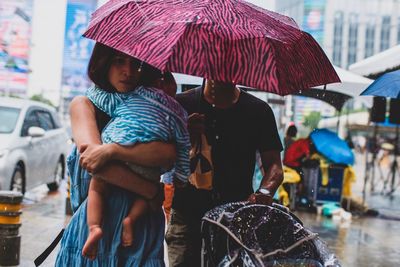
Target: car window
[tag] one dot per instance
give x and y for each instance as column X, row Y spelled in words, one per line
column 8, row 119
column 45, row 120
column 30, row 120
column 56, row 120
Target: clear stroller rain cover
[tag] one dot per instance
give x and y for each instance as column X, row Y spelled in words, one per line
column 239, row 234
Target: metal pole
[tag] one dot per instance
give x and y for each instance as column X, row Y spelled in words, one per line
column 394, row 164
column 338, row 122
column 374, row 150
column 368, row 163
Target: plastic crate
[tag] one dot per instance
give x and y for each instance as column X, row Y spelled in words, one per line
column 318, row 193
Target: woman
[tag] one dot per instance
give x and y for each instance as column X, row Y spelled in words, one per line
column 147, row 248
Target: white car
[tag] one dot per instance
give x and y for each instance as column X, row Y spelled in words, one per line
column 33, row 145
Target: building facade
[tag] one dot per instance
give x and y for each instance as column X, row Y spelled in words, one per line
column 358, row 29
column 348, row 31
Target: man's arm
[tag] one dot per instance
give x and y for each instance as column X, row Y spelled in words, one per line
column 272, row 165
column 85, row 131
column 273, row 177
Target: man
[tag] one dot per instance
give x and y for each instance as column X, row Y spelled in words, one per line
column 236, row 125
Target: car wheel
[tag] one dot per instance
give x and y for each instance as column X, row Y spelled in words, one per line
column 58, row 176
column 18, row 180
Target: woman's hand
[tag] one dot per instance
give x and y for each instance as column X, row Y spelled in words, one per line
column 94, row 156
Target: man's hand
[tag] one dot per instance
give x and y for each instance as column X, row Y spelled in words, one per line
column 258, row 198
column 93, row 157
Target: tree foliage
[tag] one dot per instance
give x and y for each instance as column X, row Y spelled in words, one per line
column 311, row 120
column 41, row 98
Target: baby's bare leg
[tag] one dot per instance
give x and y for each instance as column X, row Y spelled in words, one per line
column 139, row 207
column 97, row 190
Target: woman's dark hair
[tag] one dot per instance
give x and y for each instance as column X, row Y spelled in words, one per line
column 100, row 63
column 291, row 131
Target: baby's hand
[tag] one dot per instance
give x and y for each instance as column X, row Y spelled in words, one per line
column 93, row 156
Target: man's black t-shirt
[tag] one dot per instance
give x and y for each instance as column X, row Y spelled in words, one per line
column 235, row 134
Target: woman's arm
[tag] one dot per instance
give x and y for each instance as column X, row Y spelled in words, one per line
column 83, row 122
column 85, row 131
column 153, row 154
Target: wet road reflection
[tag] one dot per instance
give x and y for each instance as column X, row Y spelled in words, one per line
column 361, row 242
column 42, row 219
column 364, row 241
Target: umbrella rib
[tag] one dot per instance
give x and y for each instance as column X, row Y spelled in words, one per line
column 194, row 21
column 141, row 11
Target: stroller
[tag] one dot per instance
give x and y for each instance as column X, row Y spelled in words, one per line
column 239, row 234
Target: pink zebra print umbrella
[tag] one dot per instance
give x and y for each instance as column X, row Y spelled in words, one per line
column 224, row 40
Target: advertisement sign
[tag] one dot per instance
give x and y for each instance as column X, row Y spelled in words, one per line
column 77, row 49
column 15, row 35
column 314, row 19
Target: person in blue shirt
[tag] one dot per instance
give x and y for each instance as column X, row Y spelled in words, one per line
column 138, row 115
column 109, row 163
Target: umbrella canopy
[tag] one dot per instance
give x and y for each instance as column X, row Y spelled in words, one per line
column 331, row 146
column 388, row 85
column 224, row 40
column 333, row 98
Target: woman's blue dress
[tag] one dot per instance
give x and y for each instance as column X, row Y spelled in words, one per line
column 148, row 244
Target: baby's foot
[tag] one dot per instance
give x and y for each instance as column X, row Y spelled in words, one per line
column 90, row 248
column 127, row 232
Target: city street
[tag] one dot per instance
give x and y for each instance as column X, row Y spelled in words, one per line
column 362, row 242
column 221, row 81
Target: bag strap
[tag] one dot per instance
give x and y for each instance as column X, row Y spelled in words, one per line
column 198, row 93
column 40, row 259
column 198, row 146
column 197, row 98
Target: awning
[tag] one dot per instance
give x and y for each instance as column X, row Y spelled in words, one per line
column 376, row 65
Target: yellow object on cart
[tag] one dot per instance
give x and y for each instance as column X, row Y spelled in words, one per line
column 289, row 176
column 349, row 177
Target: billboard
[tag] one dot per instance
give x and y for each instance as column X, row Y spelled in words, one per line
column 77, row 49
column 314, row 19
column 15, row 35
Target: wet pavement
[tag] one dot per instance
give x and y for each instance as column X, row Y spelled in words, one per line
column 361, row 242
column 42, row 219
